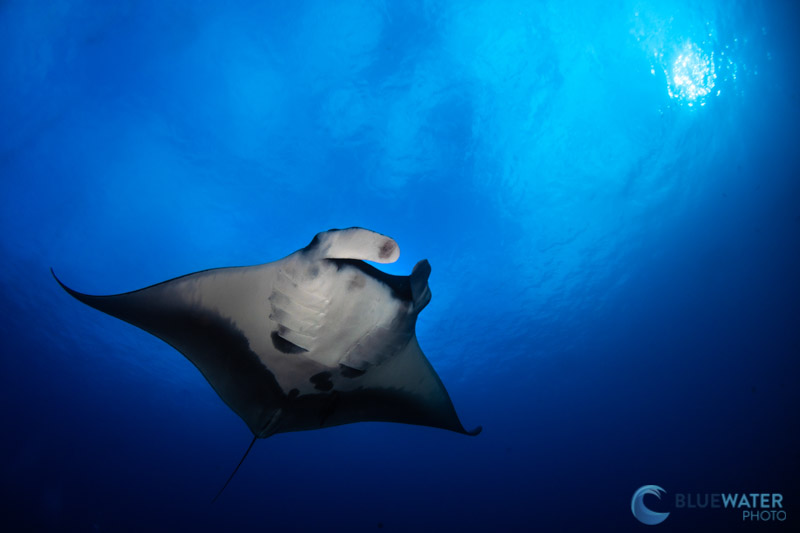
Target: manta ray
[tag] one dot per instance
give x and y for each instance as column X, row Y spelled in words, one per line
column 317, row 339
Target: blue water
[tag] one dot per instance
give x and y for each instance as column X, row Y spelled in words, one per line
column 613, row 226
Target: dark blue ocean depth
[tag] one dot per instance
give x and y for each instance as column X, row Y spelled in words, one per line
column 608, row 194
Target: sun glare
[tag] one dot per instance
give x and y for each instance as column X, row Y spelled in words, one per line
column 691, row 76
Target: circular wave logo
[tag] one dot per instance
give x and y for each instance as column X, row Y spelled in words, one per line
column 641, row 512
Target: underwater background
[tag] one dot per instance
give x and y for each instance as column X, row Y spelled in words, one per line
column 608, row 194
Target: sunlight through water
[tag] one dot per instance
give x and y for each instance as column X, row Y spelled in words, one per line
column 699, row 61
column 691, row 75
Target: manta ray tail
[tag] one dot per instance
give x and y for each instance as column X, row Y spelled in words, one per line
column 235, row 470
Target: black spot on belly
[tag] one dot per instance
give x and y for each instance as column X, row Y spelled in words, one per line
column 387, row 249
column 322, row 381
column 350, row 372
column 284, row 346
